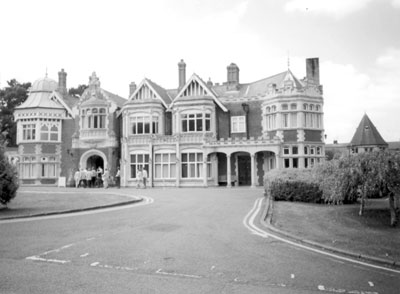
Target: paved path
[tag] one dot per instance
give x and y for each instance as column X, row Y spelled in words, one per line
column 186, row 241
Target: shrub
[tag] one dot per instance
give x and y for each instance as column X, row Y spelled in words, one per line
column 292, row 185
column 8, row 179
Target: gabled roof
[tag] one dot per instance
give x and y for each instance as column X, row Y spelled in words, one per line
column 154, row 91
column 367, row 134
column 200, row 89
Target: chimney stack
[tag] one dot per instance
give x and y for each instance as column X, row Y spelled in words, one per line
column 312, row 71
column 182, row 73
column 132, row 88
column 233, row 74
column 62, row 82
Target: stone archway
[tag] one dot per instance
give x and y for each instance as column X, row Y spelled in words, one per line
column 93, row 154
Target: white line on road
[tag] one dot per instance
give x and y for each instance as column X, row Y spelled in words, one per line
column 159, row 271
column 84, row 255
column 292, row 276
column 371, row 284
column 248, row 222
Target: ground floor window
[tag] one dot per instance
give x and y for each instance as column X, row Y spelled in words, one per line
column 192, row 165
column 48, row 167
column 137, row 161
column 165, row 165
column 28, row 167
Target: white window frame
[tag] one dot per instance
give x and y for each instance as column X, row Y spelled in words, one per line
column 166, row 161
column 238, row 124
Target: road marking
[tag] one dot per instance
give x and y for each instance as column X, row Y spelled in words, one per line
column 146, row 201
column 41, row 258
column 84, row 255
column 292, row 276
column 248, row 222
column 95, row 263
column 370, row 283
column 159, row 271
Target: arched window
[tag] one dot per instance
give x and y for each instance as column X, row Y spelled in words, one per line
column 268, row 109
column 54, row 133
column 318, row 108
column 305, row 106
column 285, row 107
column 311, row 107
column 273, row 108
column 44, row 133
column 293, row 106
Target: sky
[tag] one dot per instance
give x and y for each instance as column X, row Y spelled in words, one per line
column 357, row 43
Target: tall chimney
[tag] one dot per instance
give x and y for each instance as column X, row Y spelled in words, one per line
column 182, row 73
column 312, row 70
column 62, row 82
column 233, row 74
column 132, row 88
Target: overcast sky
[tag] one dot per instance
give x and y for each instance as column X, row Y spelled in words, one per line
column 357, row 41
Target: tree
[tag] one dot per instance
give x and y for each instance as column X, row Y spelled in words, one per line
column 10, row 97
column 78, row 91
column 8, row 176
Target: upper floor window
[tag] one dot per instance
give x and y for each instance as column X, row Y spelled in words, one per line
column 293, row 106
column 196, row 122
column 285, row 107
column 49, row 132
column 318, row 108
column 144, row 124
column 305, row 106
column 238, row 124
column 93, row 118
column 311, row 107
column 29, row 132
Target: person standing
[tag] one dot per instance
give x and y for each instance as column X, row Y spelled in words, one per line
column 139, row 177
column 144, row 177
column 93, row 174
column 77, row 178
column 106, row 177
column 118, row 178
column 99, row 176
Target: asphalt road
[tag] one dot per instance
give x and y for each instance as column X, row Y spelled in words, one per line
column 186, row 241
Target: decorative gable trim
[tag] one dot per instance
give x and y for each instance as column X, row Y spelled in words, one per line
column 56, row 97
column 146, row 91
column 196, row 87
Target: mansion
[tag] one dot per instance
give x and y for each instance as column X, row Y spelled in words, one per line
column 198, row 134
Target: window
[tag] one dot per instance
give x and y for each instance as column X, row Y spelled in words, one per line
column 271, row 118
column 28, row 167
column 93, row 118
column 165, row 165
column 29, row 132
column 139, row 160
column 318, row 150
column 305, row 106
column 48, row 167
column 318, row 108
column 293, row 106
column 196, row 122
column 306, row 150
column 293, row 120
column 354, row 150
column 295, row 150
column 311, row 107
column 287, row 162
column 295, row 162
column 238, row 124
column 285, row 120
column 312, row 150
column 285, row 107
column 192, row 165
column 49, row 133
column 286, row 150
column 144, row 124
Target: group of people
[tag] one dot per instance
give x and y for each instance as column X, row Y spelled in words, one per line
column 92, row 178
column 141, row 177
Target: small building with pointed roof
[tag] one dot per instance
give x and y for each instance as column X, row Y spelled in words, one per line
column 366, row 138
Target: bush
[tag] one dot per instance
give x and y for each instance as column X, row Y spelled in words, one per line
column 293, row 185
column 8, row 179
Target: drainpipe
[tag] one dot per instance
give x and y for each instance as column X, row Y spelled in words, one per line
column 246, row 109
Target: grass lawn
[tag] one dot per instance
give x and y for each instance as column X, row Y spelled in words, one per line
column 30, row 201
column 341, row 226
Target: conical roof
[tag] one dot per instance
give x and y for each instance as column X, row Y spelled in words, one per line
column 367, row 134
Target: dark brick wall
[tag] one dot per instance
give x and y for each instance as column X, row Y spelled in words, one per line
column 260, row 170
column 271, row 134
column 29, row 148
column 168, row 123
column 236, row 109
column 312, row 136
column 68, row 160
column 49, row 148
column 290, row 136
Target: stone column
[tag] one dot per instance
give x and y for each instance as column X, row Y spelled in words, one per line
column 228, row 171
column 253, row 171
column 205, row 169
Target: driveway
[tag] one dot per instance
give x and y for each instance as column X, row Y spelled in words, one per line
column 176, row 241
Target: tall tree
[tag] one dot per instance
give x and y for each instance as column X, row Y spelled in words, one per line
column 10, row 97
column 78, row 91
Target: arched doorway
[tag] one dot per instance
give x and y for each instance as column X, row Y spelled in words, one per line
column 95, row 161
